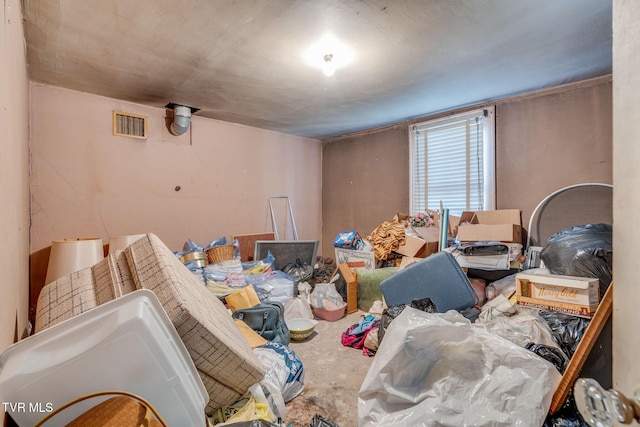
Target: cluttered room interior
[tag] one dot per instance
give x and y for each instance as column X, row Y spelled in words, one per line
column 319, row 214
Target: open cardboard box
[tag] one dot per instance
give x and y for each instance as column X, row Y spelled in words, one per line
column 428, row 241
column 502, row 225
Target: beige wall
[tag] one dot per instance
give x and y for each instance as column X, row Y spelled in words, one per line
column 365, row 181
column 14, row 178
column 626, row 198
column 86, row 182
column 544, row 141
column 552, row 139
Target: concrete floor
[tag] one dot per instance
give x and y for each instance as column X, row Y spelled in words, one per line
column 333, row 375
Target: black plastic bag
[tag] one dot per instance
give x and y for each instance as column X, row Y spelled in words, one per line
column 320, row 421
column 567, row 330
column 550, row 354
column 390, row 313
column 582, row 251
column 567, row 416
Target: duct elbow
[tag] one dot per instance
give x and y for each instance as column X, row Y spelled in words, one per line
column 181, row 120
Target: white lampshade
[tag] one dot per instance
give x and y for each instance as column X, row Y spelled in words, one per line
column 70, row 255
column 119, row 243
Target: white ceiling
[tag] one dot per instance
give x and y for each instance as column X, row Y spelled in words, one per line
column 242, row 61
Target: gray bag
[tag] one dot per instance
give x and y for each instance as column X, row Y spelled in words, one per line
column 267, row 319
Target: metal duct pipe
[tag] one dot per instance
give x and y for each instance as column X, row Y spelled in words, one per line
column 181, row 120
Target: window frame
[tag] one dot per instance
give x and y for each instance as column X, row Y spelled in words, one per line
column 488, row 156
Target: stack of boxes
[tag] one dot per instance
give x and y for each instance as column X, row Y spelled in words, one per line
column 500, row 227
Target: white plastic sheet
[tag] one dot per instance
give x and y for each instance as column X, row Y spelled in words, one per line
column 438, row 369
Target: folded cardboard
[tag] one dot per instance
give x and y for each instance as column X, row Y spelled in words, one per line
column 502, row 225
column 356, row 259
column 578, row 296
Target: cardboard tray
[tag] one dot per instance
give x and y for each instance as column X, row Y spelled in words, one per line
column 127, row 344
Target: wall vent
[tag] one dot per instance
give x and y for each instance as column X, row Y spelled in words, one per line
column 129, row 125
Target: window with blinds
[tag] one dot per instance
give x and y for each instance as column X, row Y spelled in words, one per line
column 453, row 161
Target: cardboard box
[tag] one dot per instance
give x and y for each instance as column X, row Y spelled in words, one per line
column 413, row 246
column 431, row 236
column 500, row 225
column 348, row 240
column 356, row 259
column 453, row 222
column 578, row 296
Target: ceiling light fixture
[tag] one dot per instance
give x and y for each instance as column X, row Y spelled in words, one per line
column 328, row 54
column 328, row 68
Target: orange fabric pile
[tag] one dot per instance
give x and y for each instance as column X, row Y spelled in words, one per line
column 386, row 238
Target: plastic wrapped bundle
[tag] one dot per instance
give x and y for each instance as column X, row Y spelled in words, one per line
column 439, row 369
column 582, row 251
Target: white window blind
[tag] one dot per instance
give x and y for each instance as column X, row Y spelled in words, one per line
column 452, row 161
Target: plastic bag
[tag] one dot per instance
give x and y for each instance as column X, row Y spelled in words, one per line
column 190, row 245
column 523, row 328
column 567, row 416
column 272, row 286
column 390, row 313
column 457, row 372
column 325, row 295
column 567, row 330
column 260, row 266
column 582, row 251
column 230, row 269
column 320, row 421
column 304, row 292
column 550, row 353
column 284, row 377
column 297, row 308
column 254, row 411
column 299, row 270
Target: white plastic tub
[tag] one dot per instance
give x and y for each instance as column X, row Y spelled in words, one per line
column 127, row 344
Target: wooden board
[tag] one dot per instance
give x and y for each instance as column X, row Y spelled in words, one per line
column 352, row 287
column 247, row 243
column 582, row 351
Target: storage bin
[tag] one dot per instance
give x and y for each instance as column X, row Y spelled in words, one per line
column 330, row 314
column 126, row 344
